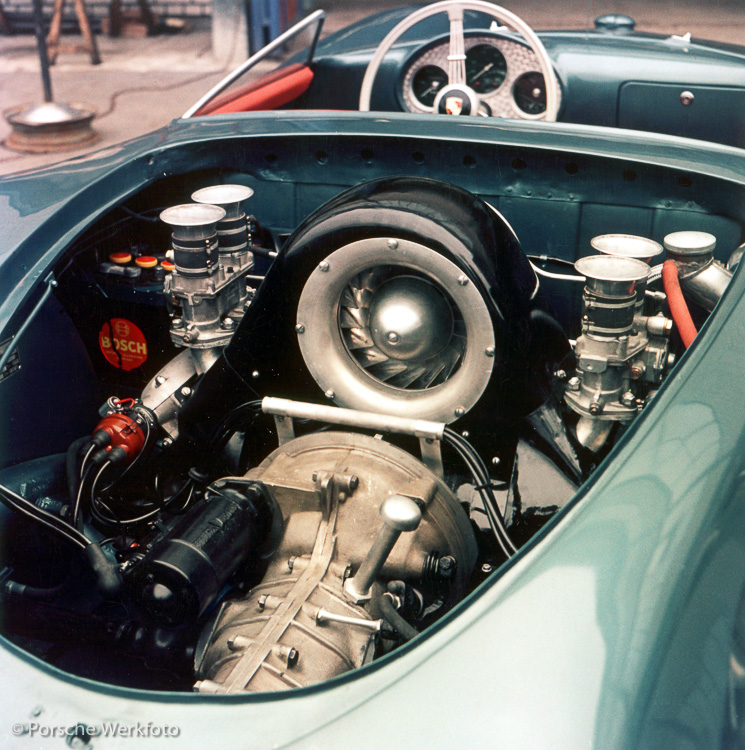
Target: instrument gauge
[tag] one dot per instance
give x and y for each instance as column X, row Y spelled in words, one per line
column 529, row 92
column 427, row 81
column 486, row 68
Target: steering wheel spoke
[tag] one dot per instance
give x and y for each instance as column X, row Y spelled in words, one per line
column 457, row 56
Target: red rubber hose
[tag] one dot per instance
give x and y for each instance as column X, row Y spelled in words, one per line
column 678, row 306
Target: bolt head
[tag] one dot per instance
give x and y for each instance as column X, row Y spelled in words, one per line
column 595, row 409
column 392, row 244
column 489, row 351
column 324, row 266
column 300, row 328
column 178, row 323
column 628, row 399
column 330, row 394
column 255, row 374
column 228, row 324
column 186, row 391
column 573, row 383
column 496, row 461
column 459, row 411
column 446, row 563
column 462, row 279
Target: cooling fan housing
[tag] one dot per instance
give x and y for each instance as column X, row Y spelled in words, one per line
column 389, row 325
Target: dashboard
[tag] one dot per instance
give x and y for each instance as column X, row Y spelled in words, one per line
column 654, row 83
column 504, row 73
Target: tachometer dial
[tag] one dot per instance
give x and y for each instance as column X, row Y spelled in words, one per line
column 427, row 82
column 486, row 68
column 530, row 93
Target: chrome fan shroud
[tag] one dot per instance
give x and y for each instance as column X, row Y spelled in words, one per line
column 401, row 329
column 391, row 326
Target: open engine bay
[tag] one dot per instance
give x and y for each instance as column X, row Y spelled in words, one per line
column 315, row 426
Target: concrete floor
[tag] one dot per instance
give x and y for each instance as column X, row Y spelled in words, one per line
column 143, row 84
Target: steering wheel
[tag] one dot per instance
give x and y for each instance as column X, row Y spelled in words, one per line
column 457, row 97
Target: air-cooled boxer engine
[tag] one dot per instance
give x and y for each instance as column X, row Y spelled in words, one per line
column 315, row 507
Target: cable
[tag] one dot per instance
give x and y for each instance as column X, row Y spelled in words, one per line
column 552, row 259
column 86, row 457
column 51, row 522
column 78, row 499
column 484, row 487
column 71, row 466
column 107, row 572
column 559, row 276
column 230, row 423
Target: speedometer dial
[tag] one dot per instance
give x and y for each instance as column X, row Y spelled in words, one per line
column 486, row 68
column 427, row 82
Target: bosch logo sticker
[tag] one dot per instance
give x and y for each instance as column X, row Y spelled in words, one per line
column 123, row 344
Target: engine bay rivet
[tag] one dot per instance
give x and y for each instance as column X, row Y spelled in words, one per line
column 462, row 279
column 324, row 266
column 330, row 394
column 487, row 568
column 459, row 411
column 465, row 433
column 392, row 244
column 489, row 351
column 255, row 374
column 495, row 461
column 300, row 328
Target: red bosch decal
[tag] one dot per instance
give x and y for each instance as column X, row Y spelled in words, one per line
column 123, row 344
